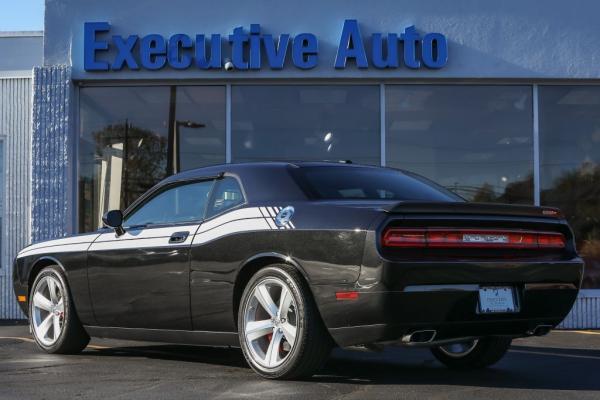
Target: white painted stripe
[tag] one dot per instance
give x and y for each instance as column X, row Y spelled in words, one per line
column 242, row 213
column 241, row 225
column 292, row 224
column 67, row 248
column 139, row 243
column 63, row 241
column 271, row 223
column 147, row 233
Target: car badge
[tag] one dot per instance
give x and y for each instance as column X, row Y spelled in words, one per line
column 284, row 216
column 484, row 238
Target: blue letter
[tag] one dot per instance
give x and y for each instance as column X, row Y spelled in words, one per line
column 237, row 48
column 177, row 58
column 351, row 46
column 304, row 51
column 276, row 55
column 215, row 52
column 124, row 52
column 90, row 45
column 410, row 37
column 152, row 51
column 431, row 42
column 391, row 61
column 254, row 46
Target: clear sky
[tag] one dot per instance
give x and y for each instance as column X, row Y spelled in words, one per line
column 21, row 15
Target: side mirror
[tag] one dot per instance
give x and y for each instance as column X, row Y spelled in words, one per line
column 114, row 219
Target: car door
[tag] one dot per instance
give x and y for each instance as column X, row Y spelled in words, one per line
column 141, row 278
column 214, row 261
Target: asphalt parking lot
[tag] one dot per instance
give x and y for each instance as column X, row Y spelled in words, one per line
column 563, row 365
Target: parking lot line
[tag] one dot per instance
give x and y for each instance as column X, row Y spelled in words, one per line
column 18, row 338
column 582, row 332
column 553, row 354
column 91, row 346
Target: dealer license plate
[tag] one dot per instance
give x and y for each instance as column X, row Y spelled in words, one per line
column 497, row 300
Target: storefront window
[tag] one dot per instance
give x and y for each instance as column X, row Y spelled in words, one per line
column 132, row 137
column 475, row 140
column 570, row 165
column 306, row 123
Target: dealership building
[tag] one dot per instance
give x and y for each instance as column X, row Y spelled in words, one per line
column 499, row 102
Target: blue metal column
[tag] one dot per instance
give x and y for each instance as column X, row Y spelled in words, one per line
column 53, row 158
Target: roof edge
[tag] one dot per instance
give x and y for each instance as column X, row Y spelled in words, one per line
column 5, row 34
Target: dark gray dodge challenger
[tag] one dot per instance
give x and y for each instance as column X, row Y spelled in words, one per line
column 287, row 260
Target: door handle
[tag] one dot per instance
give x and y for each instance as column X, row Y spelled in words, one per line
column 178, row 237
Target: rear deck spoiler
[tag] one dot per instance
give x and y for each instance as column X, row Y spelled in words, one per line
column 408, row 207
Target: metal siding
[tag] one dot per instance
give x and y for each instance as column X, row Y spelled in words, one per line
column 15, row 130
column 585, row 313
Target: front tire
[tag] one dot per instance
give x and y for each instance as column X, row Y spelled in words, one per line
column 474, row 354
column 52, row 317
column 281, row 332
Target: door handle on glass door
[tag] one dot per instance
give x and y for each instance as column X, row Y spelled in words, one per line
column 178, row 237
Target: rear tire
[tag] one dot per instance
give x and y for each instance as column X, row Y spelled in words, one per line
column 52, row 317
column 281, row 332
column 481, row 354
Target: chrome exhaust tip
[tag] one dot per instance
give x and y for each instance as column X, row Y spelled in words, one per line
column 540, row 330
column 419, row 337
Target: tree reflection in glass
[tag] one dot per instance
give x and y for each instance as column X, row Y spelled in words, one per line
column 577, row 194
column 131, row 161
column 570, row 165
column 131, row 137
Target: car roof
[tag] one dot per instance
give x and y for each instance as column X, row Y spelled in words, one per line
column 250, row 167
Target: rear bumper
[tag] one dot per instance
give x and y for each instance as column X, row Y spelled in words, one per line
column 402, row 303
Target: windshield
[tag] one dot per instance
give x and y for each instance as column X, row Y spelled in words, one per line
column 367, row 183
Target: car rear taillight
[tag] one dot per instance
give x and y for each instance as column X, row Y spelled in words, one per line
column 471, row 238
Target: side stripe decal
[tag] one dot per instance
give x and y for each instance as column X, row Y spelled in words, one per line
column 243, row 220
column 240, row 220
column 68, row 241
column 65, row 248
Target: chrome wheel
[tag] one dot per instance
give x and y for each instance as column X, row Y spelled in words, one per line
column 48, row 310
column 270, row 322
column 458, row 350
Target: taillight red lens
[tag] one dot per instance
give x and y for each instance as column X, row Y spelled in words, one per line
column 551, row 240
column 477, row 238
column 405, row 238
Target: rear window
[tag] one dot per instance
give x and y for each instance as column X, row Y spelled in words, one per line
column 333, row 183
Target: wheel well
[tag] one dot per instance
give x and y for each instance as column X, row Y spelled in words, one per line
column 247, row 271
column 35, row 270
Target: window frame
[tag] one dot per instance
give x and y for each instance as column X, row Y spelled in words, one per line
column 212, row 195
column 158, row 190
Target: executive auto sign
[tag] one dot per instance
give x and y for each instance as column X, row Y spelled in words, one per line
column 250, row 50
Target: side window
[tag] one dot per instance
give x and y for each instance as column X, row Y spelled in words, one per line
column 178, row 204
column 227, row 194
